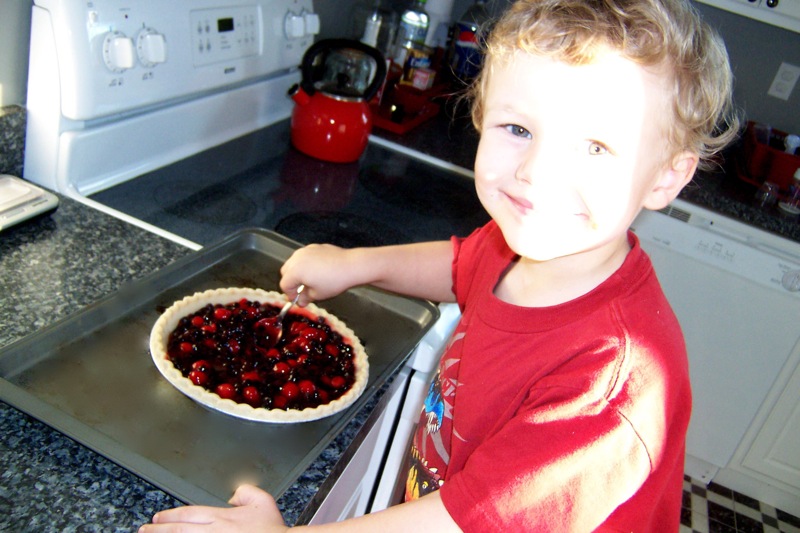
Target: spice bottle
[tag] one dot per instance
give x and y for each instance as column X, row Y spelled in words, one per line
column 374, row 24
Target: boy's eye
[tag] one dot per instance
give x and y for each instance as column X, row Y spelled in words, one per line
column 596, row 148
column 518, row 131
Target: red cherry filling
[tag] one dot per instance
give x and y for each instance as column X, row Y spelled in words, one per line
column 226, row 350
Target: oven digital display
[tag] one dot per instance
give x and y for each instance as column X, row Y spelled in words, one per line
column 224, row 25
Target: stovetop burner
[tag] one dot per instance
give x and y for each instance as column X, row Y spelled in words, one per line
column 230, row 207
column 342, row 229
column 417, row 192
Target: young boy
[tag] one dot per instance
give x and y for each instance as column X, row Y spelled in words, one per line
column 564, row 392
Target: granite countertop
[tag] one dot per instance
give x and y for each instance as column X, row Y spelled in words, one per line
column 51, row 267
column 727, row 194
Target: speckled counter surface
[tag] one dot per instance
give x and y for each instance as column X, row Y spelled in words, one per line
column 51, row 267
column 730, row 196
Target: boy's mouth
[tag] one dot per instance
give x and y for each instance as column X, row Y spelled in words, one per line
column 525, row 207
column 522, row 205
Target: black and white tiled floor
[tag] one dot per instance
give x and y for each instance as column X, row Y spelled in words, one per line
column 716, row 509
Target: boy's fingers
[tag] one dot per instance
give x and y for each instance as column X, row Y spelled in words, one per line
column 248, row 494
column 186, row 514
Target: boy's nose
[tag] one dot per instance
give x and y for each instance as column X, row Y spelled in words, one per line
column 538, row 162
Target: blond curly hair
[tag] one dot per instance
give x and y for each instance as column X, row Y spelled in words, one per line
column 654, row 33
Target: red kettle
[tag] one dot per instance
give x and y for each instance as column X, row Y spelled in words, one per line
column 331, row 119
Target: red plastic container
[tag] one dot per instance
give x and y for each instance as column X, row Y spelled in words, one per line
column 765, row 163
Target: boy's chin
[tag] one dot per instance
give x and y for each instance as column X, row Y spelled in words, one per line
column 554, row 244
column 538, row 250
column 546, row 241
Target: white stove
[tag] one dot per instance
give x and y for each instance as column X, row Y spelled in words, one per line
column 116, row 89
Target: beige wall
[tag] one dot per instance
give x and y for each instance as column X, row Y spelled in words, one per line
column 15, row 23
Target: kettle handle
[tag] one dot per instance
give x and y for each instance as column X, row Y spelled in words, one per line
column 332, row 44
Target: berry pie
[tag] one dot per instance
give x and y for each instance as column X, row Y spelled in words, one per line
column 218, row 347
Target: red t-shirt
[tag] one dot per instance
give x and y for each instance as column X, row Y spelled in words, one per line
column 564, row 418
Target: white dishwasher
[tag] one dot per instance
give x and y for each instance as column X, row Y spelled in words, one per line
column 736, row 293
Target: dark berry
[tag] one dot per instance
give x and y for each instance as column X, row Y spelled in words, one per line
column 290, row 390
column 331, row 349
column 226, row 391
column 198, row 377
column 252, row 375
column 220, row 313
column 202, row 365
column 233, row 346
column 251, row 395
column 281, row 368
column 280, row 402
column 307, row 387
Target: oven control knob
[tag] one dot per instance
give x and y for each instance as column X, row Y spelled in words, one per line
column 312, row 23
column 791, row 281
column 296, row 26
column 151, row 47
column 118, row 51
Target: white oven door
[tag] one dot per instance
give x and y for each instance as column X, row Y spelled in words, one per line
column 390, row 486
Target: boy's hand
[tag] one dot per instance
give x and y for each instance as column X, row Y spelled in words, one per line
column 324, row 269
column 254, row 510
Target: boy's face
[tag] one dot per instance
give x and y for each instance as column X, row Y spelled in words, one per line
column 570, row 154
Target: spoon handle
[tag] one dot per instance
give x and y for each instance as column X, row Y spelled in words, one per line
column 289, row 305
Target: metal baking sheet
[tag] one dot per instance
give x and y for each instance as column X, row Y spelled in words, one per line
column 91, row 377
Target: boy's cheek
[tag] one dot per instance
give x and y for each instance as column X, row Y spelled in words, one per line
column 491, row 167
column 486, row 175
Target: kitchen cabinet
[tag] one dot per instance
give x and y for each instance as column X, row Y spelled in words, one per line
column 781, row 13
column 775, row 451
column 766, row 464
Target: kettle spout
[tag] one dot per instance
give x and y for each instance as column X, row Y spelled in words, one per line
column 299, row 95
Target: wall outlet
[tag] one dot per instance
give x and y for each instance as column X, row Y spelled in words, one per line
column 784, row 81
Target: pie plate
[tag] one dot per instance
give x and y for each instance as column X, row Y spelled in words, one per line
column 168, row 321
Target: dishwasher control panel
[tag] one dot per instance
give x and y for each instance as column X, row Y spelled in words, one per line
column 739, row 253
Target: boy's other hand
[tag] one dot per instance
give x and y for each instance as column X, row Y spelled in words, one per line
column 254, row 510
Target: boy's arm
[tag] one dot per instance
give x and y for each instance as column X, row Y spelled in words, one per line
column 255, row 510
column 420, row 270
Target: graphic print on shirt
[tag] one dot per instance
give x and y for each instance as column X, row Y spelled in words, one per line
column 434, row 406
column 421, row 480
column 431, row 447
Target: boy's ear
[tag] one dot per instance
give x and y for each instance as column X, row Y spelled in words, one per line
column 671, row 180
